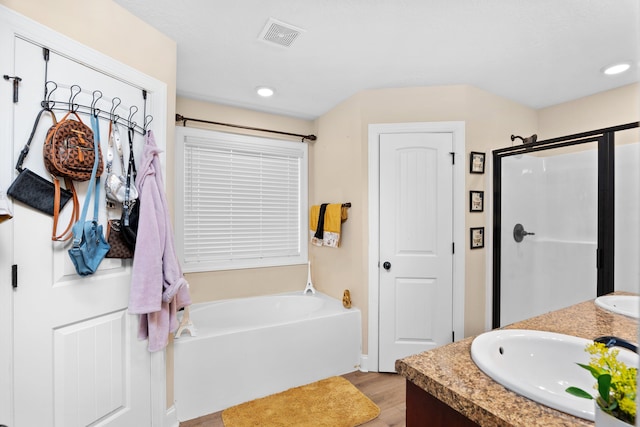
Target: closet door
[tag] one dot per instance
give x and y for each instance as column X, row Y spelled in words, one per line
column 77, row 360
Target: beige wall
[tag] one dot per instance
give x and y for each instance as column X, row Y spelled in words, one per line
column 606, row 109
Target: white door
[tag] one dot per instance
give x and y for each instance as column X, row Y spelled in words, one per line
column 77, row 360
column 416, row 239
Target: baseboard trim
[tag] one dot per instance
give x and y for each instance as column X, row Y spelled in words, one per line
column 171, row 418
column 364, row 363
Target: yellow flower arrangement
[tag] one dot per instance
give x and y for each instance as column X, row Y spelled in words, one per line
column 615, row 382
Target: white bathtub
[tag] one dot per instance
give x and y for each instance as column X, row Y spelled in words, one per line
column 252, row 347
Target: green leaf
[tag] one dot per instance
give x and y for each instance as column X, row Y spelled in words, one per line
column 578, row 392
column 604, row 385
column 594, row 371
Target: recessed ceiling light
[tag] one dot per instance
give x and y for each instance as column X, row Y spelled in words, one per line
column 616, row 68
column 265, row 92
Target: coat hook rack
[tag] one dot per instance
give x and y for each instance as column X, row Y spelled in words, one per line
column 97, row 97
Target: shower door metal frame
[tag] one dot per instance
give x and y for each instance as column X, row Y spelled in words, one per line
column 606, row 199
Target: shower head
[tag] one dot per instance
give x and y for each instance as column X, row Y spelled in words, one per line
column 529, row 140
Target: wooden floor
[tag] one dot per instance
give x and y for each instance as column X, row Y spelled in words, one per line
column 386, row 390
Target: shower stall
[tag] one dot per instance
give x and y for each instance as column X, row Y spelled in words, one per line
column 566, row 221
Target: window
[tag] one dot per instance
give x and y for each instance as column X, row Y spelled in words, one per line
column 241, row 201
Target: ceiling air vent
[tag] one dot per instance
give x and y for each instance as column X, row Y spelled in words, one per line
column 279, row 33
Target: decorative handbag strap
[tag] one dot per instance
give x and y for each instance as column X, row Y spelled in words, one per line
column 131, row 174
column 114, row 142
column 25, row 150
column 94, row 185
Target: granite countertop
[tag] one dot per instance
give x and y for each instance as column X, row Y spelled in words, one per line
column 449, row 374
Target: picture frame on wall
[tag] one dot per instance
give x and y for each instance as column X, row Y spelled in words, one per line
column 476, row 201
column 477, row 237
column 476, row 162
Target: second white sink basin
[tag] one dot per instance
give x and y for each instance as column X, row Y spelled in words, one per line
column 628, row 305
column 540, row 366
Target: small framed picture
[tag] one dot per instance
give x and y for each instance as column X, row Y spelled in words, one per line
column 477, row 237
column 476, row 201
column 476, row 162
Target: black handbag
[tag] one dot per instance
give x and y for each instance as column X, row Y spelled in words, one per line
column 32, row 189
column 130, row 208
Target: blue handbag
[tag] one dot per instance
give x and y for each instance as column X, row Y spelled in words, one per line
column 89, row 245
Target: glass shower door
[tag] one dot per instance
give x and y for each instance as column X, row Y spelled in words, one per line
column 549, row 230
column 627, row 212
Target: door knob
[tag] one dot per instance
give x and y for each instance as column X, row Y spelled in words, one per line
column 386, row 265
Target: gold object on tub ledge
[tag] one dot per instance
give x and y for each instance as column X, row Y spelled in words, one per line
column 346, row 299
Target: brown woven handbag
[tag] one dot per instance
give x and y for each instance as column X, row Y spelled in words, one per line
column 69, row 153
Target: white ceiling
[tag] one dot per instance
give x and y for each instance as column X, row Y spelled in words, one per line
column 536, row 52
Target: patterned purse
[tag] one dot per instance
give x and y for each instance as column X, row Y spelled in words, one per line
column 119, row 247
column 69, row 152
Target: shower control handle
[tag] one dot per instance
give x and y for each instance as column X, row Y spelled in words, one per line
column 386, row 265
column 519, row 233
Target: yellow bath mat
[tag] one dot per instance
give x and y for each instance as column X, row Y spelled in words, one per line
column 333, row 402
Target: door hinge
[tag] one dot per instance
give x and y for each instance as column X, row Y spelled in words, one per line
column 14, row 276
column 453, row 247
column 453, row 157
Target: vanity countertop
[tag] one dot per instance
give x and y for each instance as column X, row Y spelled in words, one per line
column 449, row 374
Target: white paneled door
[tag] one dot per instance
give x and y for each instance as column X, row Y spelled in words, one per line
column 416, row 236
column 76, row 357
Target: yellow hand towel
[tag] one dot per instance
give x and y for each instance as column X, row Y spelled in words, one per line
column 314, row 215
column 334, row 216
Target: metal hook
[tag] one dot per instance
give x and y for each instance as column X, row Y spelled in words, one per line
column 132, row 111
column 148, row 119
column 47, row 102
column 74, row 107
column 114, row 105
column 94, row 110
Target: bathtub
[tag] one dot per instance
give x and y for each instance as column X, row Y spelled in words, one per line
column 253, row 347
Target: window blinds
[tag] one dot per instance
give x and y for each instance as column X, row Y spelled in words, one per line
column 242, row 202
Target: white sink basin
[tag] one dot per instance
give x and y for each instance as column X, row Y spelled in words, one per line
column 628, row 305
column 540, row 366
